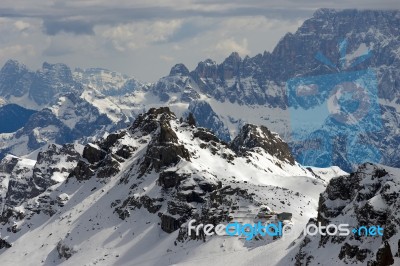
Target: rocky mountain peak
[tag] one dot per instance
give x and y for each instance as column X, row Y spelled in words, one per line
column 148, row 122
column 14, row 79
column 234, row 57
column 179, row 69
column 252, row 136
column 322, row 12
column 207, row 69
column 231, row 66
column 164, row 149
column 13, row 65
column 57, row 71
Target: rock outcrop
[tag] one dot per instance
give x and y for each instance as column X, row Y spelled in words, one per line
column 367, row 197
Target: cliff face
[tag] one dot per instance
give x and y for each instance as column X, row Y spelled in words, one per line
column 367, row 197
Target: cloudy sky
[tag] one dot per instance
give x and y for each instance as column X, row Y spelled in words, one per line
column 145, row 38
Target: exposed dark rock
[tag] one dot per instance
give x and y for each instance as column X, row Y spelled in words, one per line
column 169, row 179
column 189, row 95
column 149, row 121
column 93, row 153
column 207, row 186
column 82, row 171
column 163, row 150
column 180, row 208
column 107, row 167
column 205, row 135
column 158, row 157
column 179, row 69
column 64, row 251
column 169, row 224
column 4, row 244
column 192, row 196
column 251, row 136
column 46, row 163
column 166, row 133
column 111, row 140
column 384, row 256
column 349, row 251
column 190, row 119
column 151, row 204
column 380, row 173
column 8, row 164
column 369, row 196
column 125, row 151
column 301, row 257
column 128, row 204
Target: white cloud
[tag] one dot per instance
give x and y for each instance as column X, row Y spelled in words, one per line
column 132, row 36
column 21, row 25
column 229, row 45
column 16, row 50
column 67, row 43
column 248, row 23
column 176, row 47
column 167, row 58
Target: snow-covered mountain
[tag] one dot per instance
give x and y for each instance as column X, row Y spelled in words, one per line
column 126, row 199
column 70, row 118
column 109, row 83
column 34, row 89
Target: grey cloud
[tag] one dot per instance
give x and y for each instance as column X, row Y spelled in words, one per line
column 63, row 19
column 87, row 20
column 54, row 50
column 307, row 4
column 187, row 31
column 53, row 27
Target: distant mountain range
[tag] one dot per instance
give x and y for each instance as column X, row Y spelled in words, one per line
column 225, row 96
